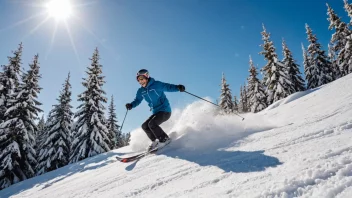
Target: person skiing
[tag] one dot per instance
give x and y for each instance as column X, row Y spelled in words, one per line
column 152, row 92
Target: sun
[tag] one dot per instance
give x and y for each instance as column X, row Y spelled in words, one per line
column 59, row 9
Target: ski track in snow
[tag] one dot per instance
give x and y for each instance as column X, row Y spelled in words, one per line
column 298, row 147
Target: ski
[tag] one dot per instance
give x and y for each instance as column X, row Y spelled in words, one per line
column 135, row 157
column 139, row 156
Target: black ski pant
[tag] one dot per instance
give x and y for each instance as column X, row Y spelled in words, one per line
column 152, row 128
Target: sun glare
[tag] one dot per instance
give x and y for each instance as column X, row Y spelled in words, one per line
column 59, row 9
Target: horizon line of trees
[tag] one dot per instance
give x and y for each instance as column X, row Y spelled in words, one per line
column 27, row 148
column 282, row 78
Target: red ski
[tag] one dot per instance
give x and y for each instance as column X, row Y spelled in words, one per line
column 135, row 157
column 140, row 155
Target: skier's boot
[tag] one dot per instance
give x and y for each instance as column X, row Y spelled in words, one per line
column 153, row 145
column 164, row 142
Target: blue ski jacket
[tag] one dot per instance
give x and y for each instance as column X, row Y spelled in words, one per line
column 154, row 94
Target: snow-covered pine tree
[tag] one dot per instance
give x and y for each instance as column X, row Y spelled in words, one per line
column 2, row 98
column 235, row 104
column 276, row 81
column 347, row 51
column 318, row 62
column 113, row 127
column 337, row 44
column 42, row 136
column 332, row 58
column 245, row 98
column 307, row 69
column 112, row 135
column 9, row 79
column 18, row 157
column 123, row 139
column 256, row 91
column 55, row 150
column 348, row 9
column 240, row 105
column 31, row 79
column 226, row 104
column 91, row 134
column 40, row 125
column 243, row 102
column 127, row 139
column 40, row 130
column 348, row 46
column 294, row 75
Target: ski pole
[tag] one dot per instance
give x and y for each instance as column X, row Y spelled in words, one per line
column 123, row 120
column 211, row 103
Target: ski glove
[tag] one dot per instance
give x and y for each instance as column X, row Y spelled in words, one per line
column 181, row 88
column 128, row 106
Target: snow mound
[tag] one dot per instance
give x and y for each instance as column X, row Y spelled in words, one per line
column 290, row 98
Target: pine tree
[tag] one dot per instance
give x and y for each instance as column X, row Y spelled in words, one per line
column 55, row 150
column 40, row 130
column 245, row 98
column 275, row 75
column 123, row 139
column 347, row 51
column 235, row 104
column 348, row 9
column 241, row 106
column 337, row 44
column 225, row 97
column 2, row 97
column 293, row 73
column 319, row 66
column 243, row 103
column 112, row 135
column 41, row 125
column 113, row 127
column 18, row 157
column 348, row 47
column 31, row 79
column 127, row 139
column 334, row 65
column 256, row 91
column 307, row 69
column 91, row 134
column 42, row 136
column 9, row 79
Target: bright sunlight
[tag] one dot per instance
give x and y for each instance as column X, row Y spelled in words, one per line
column 59, row 9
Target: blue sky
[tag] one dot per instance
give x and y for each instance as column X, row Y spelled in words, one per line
column 188, row 42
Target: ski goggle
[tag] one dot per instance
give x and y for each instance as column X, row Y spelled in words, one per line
column 143, row 72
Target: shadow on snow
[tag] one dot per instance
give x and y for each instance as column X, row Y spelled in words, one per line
column 229, row 161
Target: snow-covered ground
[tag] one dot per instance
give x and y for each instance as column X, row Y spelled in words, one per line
column 298, row 147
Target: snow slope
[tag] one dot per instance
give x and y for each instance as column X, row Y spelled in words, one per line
column 298, row 147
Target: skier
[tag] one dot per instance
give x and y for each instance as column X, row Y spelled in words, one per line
column 152, row 91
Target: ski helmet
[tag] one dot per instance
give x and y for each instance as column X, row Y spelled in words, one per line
column 143, row 72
